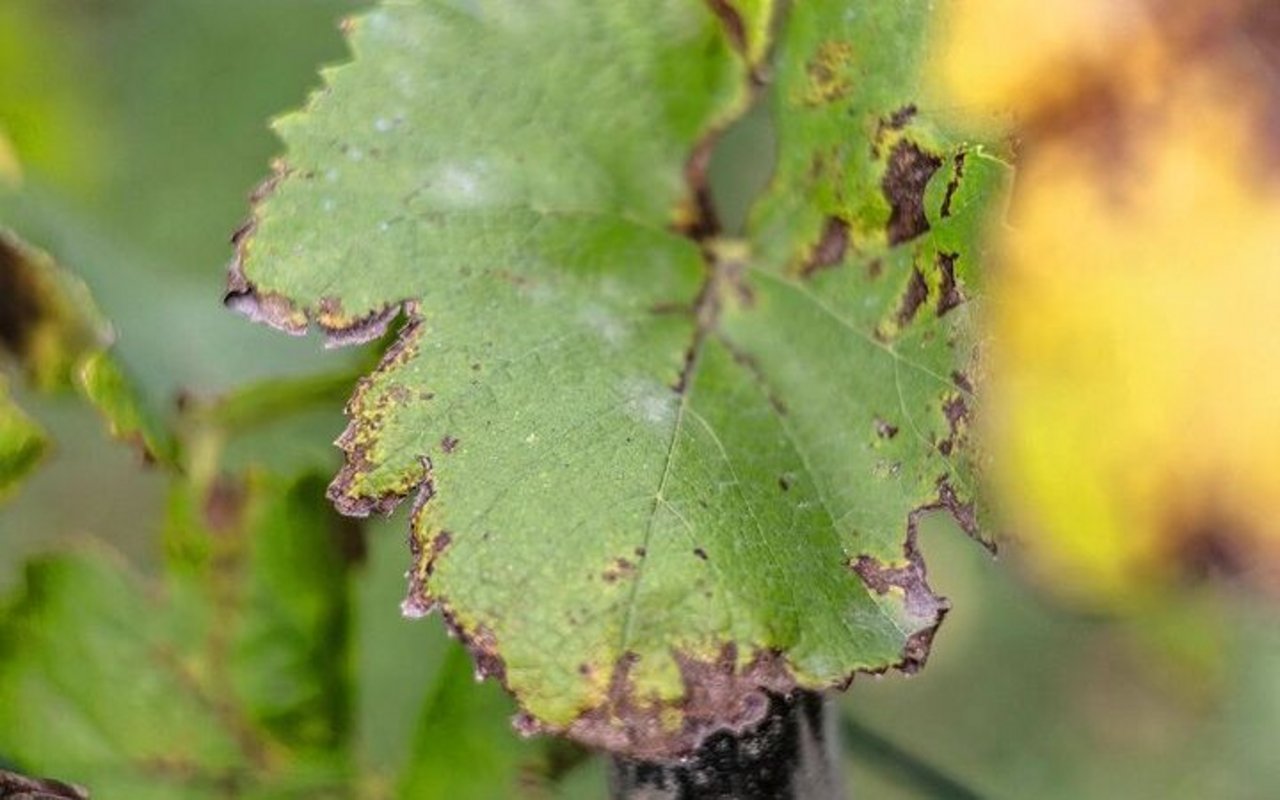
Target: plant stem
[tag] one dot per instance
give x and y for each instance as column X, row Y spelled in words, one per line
column 791, row 754
column 905, row 768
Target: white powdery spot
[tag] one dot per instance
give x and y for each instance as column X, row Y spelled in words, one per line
column 463, row 186
column 605, row 324
column 649, row 401
column 383, row 125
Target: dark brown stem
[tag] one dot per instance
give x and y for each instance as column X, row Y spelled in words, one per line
column 791, row 755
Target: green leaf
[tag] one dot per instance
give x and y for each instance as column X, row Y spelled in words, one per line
column 463, row 748
column 235, row 675
column 105, row 385
column 50, row 326
column 48, row 322
column 657, row 473
column 22, row 443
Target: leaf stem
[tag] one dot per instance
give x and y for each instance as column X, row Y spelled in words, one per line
column 791, row 754
column 904, row 767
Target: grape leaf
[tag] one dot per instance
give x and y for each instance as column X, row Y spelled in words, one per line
column 1132, row 408
column 22, row 442
column 51, row 328
column 657, row 473
column 230, row 679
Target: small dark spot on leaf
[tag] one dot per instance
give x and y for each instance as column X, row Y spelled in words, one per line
column 641, row 552
column 875, row 267
column 475, row 367
column 448, row 444
column 884, row 430
column 962, row 381
column 620, row 568
column 224, row 505
column 700, row 553
column 784, row 483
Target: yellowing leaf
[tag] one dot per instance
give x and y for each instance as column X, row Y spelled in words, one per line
column 1133, row 413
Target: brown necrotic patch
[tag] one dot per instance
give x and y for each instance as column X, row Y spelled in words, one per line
column 720, row 694
column 908, row 173
column 896, row 121
column 418, row 601
column 957, row 175
column 884, row 429
column 341, row 329
column 368, row 411
column 949, row 295
column 20, row 787
column 910, row 579
column 830, row 249
column 917, row 292
column 619, row 569
column 956, row 411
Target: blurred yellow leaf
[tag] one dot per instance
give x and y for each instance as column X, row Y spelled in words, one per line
column 1133, row 410
column 10, row 169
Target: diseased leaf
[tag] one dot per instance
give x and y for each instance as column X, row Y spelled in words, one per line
column 656, row 473
column 865, row 246
column 1134, row 407
column 231, row 679
column 50, row 326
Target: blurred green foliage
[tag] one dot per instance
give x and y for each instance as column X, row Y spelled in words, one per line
column 140, row 128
